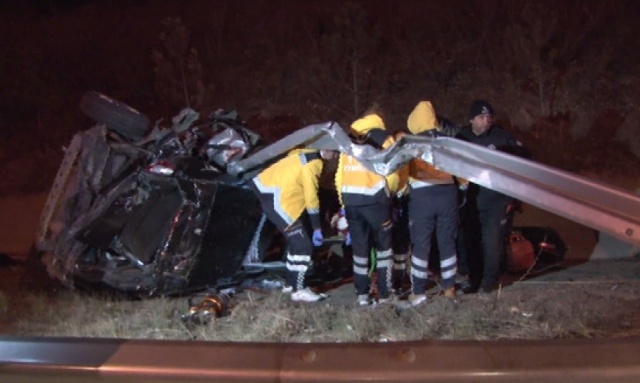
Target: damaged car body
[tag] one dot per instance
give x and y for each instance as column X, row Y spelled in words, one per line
column 142, row 214
column 168, row 212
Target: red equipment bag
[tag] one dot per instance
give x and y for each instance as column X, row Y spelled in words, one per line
column 520, row 253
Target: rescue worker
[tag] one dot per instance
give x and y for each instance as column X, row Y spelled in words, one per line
column 485, row 215
column 433, row 208
column 400, row 236
column 365, row 197
column 288, row 193
column 401, row 239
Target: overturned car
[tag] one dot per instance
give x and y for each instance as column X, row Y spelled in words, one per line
column 156, row 213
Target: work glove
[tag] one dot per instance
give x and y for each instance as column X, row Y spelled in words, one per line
column 317, row 237
column 347, row 239
column 339, row 221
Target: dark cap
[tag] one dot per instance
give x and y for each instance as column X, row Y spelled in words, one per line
column 480, row 107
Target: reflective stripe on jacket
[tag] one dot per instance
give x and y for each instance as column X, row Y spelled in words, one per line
column 356, row 185
column 293, row 181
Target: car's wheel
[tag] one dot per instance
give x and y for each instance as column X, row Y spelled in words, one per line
column 117, row 116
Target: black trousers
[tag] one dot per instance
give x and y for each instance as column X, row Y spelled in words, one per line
column 370, row 227
column 433, row 209
column 299, row 244
column 483, row 230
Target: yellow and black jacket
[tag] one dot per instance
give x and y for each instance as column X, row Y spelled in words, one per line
column 293, row 181
column 356, row 185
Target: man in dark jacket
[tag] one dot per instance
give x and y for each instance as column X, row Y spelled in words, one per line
column 485, row 215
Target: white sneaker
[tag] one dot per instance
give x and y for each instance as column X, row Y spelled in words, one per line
column 388, row 300
column 287, row 289
column 363, row 300
column 417, row 299
column 306, row 295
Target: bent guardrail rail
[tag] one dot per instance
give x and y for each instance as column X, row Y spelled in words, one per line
column 591, row 203
column 112, row 360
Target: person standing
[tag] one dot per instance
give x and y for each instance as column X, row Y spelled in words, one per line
column 433, row 208
column 485, row 214
column 365, row 196
column 400, row 236
column 288, row 193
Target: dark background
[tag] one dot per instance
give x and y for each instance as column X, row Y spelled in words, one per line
column 562, row 76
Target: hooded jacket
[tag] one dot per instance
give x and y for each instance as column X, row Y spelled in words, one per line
column 422, row 121
column 293, row 181
column 356, row 185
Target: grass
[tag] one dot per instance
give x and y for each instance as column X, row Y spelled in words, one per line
column 518, row 312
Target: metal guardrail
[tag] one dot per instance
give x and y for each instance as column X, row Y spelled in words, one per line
column 110, row 360
column 591, row 203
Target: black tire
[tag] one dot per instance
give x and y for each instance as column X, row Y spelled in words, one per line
column 117, row 116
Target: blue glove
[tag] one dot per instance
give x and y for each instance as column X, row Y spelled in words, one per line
column 347, row 239
column 317, row 237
